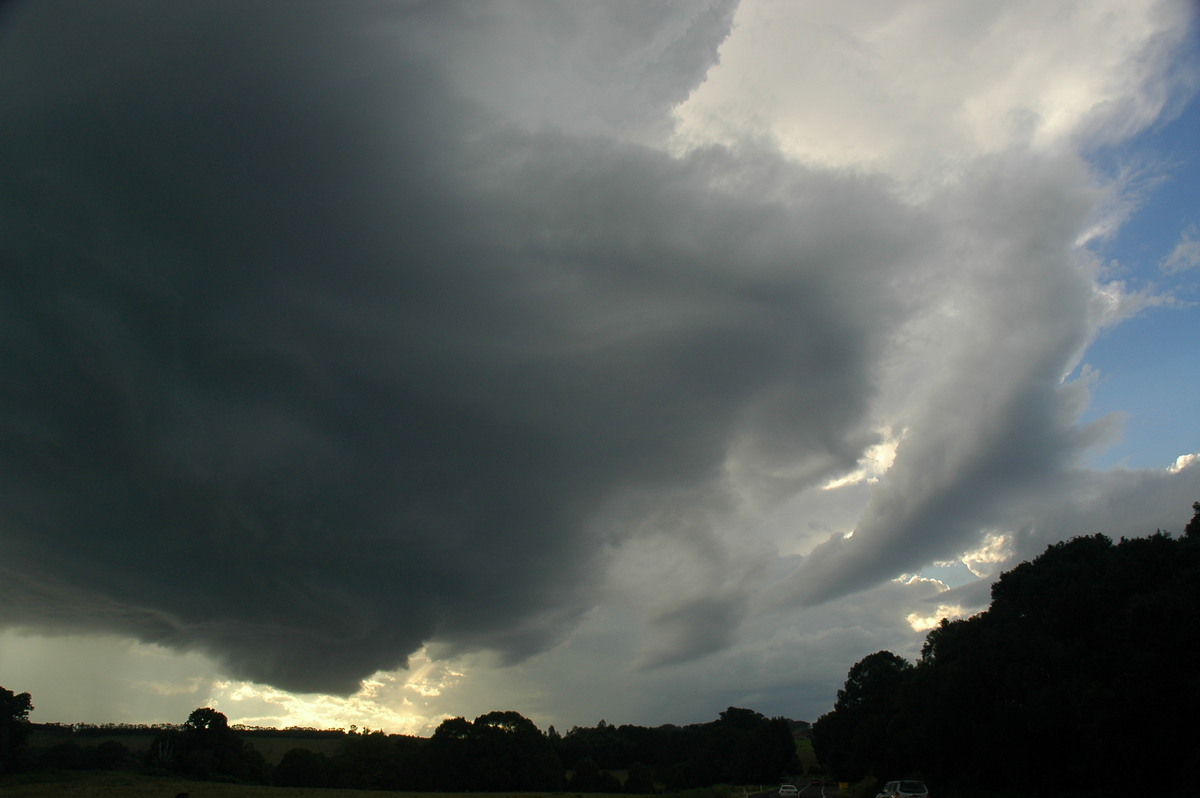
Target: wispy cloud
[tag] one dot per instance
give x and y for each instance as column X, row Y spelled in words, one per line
column 1186, row 254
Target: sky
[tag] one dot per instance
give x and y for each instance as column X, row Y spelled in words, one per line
column 386, row 361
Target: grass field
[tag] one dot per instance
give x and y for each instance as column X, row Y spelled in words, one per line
column 271, row 747
column 136, row 743
column 134, row 785
column 804, row 752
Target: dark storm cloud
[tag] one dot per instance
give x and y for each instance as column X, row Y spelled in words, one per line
column 309, row 358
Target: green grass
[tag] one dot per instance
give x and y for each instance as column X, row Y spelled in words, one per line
column 72, row 784
column 804, row 752
column 137, row 743
column 65, row 784
column 271, row 747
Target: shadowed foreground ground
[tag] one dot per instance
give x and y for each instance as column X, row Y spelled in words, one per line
column 136, row 785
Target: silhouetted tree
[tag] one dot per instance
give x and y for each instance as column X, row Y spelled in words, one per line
column 740, row 747
column 743, row 747
column 514, row 754
column 602, row 743
column 448, row 760
column 206, row 748
column 588, row 777
column 640, row 780
column 377, row 761
column 300, row 767
column 499, row 751
column 1082, row 657
column 855, row 739
column 14, row 725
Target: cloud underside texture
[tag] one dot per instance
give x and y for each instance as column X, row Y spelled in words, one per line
column 317, row 346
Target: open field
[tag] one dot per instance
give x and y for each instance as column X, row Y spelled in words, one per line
column 272, row 747
column 136, row 743
column 804, row 752
column 135, row 785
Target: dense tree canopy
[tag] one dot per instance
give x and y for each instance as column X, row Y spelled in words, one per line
column 499, row 751
column 371, row 761
column 14, row 724
column 205, row 747
column 740, row 747
column 301, row 767
column 1083, row 660
column 855, row 738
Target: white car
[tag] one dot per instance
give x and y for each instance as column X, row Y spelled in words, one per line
column 904, row 789
column 788, row 791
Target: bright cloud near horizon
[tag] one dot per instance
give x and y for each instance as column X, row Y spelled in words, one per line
column 380, row 362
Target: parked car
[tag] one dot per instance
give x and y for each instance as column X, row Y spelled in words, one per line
column 788, row 791
column 905, row 788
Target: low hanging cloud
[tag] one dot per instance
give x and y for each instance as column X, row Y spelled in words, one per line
column 336, row 330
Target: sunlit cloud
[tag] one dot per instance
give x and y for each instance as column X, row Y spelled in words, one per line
column 875, row 462
column 1182, row 462
column 923, row 623
column 916, row 579
column 395, row 701
column 995, row 549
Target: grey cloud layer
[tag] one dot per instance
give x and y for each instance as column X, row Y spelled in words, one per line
column 994, row 416
column 615, row 67
column 309, row 358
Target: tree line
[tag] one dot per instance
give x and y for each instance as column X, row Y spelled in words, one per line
column 498, row 751
column 1079, row 678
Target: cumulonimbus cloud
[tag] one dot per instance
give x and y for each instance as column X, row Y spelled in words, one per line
column 332, row 332
column 310, row 359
